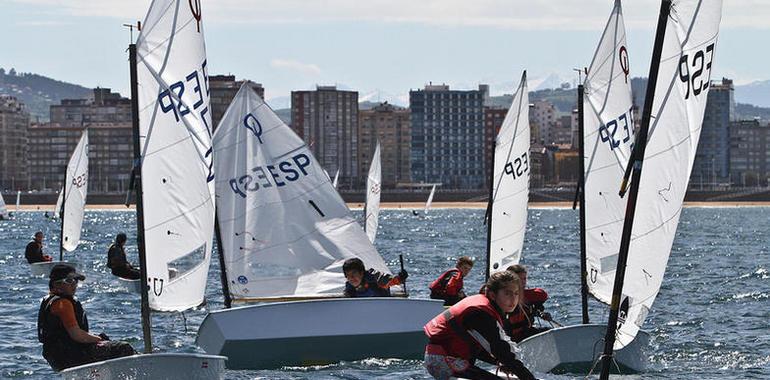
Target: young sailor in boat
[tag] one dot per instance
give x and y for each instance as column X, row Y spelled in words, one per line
column 363, row 283
column 62, row 326
column 449, row 286
column 34, row 251
column 473, row 329
column 117, row 262
column 521, row 320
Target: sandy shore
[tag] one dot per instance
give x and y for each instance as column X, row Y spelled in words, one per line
column 419, row 205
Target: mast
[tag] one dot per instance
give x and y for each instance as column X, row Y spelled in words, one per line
column 222, row 269
column 61, row 217
column 146, row 323
column 489, row 207
column 637, row 157
column 582, row 200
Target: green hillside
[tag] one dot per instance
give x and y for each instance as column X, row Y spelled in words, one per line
column 38, row 92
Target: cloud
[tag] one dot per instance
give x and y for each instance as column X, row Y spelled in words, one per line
column 503, row 14
column 289, row 64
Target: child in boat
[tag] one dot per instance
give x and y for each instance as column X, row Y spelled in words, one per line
column 363, row 283
column 117, row 262
column 521, row 320
column 34, row 251
column 473, row 329
column 449, row 286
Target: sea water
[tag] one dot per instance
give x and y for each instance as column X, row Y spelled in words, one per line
column 711, row 319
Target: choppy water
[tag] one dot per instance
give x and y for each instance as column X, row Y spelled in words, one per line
column 710, row 321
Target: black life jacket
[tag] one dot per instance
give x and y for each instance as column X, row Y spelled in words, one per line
column 114, row 257
column 50, row 329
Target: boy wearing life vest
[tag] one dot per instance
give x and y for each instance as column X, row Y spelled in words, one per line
column 62, row 326
column 521, row 320
column 371, row 283
column 473, row 329
column 449, row 286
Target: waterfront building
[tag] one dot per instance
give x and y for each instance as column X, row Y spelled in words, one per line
column 14, row 121
column 448, row 136
column 493, row 121
column 222, row 91
column 327, row 119
column 543, row 115
column 712, row 160
column 749, row 153
column 391, row 125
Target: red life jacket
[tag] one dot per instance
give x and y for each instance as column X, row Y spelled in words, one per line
column 447, row 329
column 521, row 319
column 438, row 288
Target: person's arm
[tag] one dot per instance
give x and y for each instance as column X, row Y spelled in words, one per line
column 66, row 313
column 350, row 291
column 491, row 336
column 455, row 284
column 385, row 281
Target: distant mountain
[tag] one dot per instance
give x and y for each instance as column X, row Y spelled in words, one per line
column 564, row 99
column 756, row 93
column 39, row 92
column 750, row 112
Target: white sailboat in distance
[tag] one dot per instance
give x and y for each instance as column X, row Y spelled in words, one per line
column 174, row 186
column 373, row 192
column 430, row 199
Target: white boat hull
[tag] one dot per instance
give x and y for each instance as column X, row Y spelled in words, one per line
column 575, row 349
column 152, row 366
column 44, row 268
column 131, row 286
column 317, row 332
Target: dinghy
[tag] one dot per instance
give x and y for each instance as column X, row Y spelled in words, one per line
column 18, row 202
column 606, row 137
column 373, row 190
column 430, row 199
column 57, row 209
column 336, row 179
column 173, row 184
column 284, row 233
column 3, row 208
column 661, row 162
column 73, row 206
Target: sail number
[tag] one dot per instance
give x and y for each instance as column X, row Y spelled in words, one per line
column 608, row 131
column 518, row 167
column 691, row 67
column 266, row 176
column 79, row 181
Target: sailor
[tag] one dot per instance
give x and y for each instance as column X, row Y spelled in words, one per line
column 521, row 320
column 449, row 286
column 117, row 262
column 371, row 283
column 473, row 329
column 34, row 252
column 62, row 326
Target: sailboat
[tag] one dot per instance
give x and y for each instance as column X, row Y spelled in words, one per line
column 173, row 185
column 661, row 162
column 3, row 208
column 59, row 202
column 73, row 206
column 336, row 179
column 430, row 199
column 373, row 191
column 285, row 233
column 18, row 201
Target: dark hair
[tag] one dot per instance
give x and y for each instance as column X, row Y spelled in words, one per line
column 464, row 260
column 38, row 233
column 499, row 280
column 121, row 238
column 353, row 264
column 517, row 268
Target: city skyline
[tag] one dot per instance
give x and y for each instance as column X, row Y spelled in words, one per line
column 381, row 49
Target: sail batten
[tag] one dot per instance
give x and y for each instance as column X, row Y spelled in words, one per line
column 285, row 229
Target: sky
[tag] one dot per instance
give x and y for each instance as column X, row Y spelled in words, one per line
column 381, row 48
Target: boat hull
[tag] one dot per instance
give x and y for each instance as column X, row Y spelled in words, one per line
column 152, row 366
column 131, row 286
column 44, row 268
column 318, row 332
column 575, row 349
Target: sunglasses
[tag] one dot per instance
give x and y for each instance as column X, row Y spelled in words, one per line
column 69, row 281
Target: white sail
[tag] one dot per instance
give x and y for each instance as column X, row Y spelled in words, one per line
column 373, row 190
column 285, row 230
column 75, row 190
column 336, row 179
column 608, row 135
column 59, row 202
column 675, row 125
column 430, row 199
column 18, row 201
column 510, row 191
column 176, row 165
column 3, row 207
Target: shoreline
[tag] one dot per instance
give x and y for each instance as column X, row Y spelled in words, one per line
column 419, row 206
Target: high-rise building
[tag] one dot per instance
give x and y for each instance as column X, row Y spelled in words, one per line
column 712, row 160
column 391, row 125
column 542, row 114
column 327, row 119
column 493, row 121
column 749, row 153
column 222, row 91
column 14, row 121
column 107, row 116
column 448, row 136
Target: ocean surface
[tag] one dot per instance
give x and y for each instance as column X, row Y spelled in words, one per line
column 711, row 319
